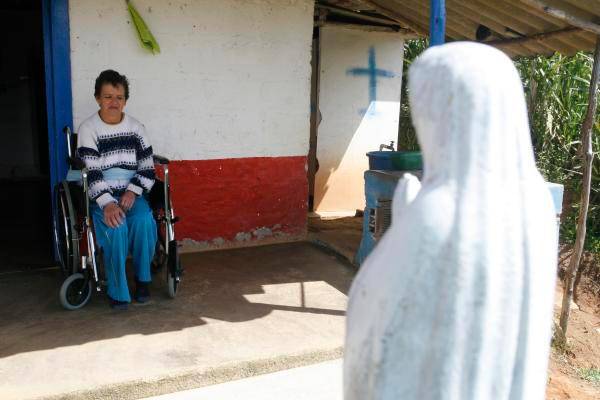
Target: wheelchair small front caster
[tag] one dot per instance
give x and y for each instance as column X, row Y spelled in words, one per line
column 159, row 260
column 75, row 292
column 173, row 270
column 172, row 285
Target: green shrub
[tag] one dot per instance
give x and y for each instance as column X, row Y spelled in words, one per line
column 407, row 138
column 556, row 90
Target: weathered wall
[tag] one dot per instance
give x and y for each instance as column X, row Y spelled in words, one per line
column 359, row 99
column 227, row 97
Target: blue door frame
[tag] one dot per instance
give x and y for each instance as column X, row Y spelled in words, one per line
column 59, row 102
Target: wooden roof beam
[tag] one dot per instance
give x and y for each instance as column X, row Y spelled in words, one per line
column 360, row 27
column 534, row 38
column 546, row 23
column 413, row 26
column 352, row 14
column 502, row 17
column 564, row 16
column 487, row 17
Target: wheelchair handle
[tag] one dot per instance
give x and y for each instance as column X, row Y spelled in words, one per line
column 76, row 163
column 160, row 159
column 67, row 131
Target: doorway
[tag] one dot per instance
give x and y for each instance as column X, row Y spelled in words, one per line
column 25, row 237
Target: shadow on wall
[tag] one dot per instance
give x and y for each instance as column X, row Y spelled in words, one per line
column 339, row 183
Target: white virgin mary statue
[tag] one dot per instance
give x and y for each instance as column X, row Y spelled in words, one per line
column 455, row 302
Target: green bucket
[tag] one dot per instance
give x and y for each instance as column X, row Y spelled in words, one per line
column 407, row 160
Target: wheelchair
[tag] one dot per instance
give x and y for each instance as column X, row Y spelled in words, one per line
column 80, row 260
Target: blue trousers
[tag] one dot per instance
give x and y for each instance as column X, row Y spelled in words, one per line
column 137, row 234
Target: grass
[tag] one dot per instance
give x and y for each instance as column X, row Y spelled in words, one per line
column 591, row 374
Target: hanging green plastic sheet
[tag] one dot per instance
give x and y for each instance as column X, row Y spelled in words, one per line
column 147, row 40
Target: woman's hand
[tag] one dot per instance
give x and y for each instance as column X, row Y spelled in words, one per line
column 113, row 215
column 127, row 200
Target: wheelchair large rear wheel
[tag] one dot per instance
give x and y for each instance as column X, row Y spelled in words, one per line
column 75, row 292
column 65, row 230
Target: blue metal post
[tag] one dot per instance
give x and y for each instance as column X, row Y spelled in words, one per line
column 437, row 22
column 57, row 54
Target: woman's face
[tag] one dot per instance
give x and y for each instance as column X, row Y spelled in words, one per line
column 111, row 101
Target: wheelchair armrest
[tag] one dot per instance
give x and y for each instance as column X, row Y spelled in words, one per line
column 76, row 162
column 160, row 159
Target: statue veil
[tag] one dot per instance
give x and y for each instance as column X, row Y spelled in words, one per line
column 455, row 302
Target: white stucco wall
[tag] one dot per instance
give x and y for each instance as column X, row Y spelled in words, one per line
column 232, row 79
column 353, row 123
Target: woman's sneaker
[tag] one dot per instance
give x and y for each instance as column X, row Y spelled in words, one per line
column 117, row 305
column 142, row 291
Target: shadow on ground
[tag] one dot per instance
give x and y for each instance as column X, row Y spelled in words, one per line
column 216, row 286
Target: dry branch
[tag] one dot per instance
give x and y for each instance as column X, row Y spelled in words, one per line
column 588, row 156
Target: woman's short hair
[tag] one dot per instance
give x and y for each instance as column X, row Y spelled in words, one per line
column 112, row 77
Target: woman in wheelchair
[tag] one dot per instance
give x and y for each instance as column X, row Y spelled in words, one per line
column 118, row 178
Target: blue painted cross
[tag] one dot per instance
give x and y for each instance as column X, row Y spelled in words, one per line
column 373, row 72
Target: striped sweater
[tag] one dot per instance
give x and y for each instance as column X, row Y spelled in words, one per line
column 124, row 145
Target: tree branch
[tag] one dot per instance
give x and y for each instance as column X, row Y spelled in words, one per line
column 588, row 157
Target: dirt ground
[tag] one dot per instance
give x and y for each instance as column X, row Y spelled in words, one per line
column 583, row 338
column 583, row 334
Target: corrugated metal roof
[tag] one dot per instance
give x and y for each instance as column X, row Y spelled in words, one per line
column 519, row 27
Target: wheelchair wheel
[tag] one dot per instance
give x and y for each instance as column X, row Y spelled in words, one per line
column 173, row 270
column 75, row 292
column 172, row 285
column 65, row 231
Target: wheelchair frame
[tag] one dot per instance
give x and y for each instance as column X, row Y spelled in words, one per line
column 76, row 245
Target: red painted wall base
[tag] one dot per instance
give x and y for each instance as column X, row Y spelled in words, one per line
column 240, row 200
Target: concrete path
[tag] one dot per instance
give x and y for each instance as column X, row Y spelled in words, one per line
column 239, row 313
column 321, row 381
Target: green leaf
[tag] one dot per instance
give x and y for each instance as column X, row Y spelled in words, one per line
column 147, row 40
